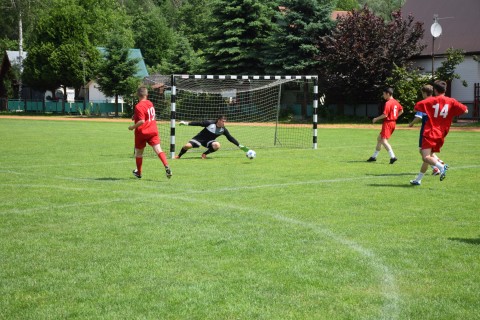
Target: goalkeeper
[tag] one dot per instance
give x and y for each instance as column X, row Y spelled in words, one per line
column 206, row 138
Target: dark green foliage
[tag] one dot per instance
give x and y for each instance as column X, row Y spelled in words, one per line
column 117, row 70
column 182, row 58
column 153, row 36
column 192, row 21
column 446, row 71
column 292, row 49
column 383, row 8
column 407, row 84
column 347, row 5
column 60, row 52
column 237, row 36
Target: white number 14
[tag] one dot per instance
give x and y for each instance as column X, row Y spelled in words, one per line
column 443, row 112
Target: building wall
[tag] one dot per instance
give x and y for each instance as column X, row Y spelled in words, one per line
column 95, row 95
column 469, row 70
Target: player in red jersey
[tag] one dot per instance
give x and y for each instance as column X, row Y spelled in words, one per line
column 146, row 131
column 392, row 110
column 440, row 111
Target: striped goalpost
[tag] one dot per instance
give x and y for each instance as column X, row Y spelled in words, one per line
column 262, row 111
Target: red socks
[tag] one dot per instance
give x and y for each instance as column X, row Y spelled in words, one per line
column 163, row 158
column 139, row 162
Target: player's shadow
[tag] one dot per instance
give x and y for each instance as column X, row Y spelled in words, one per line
column 358, row 161
column 390, row 185
column 390, row 174
column 475, row 241
column 109, row 179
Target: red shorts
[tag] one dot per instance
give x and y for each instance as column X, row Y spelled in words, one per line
column 141, row 140
column 387, row 129
column 432, row 143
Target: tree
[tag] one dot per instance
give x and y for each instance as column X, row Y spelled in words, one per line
column 446, row 71
column 193, row 19
column 116, row 74
column 293, row 49
column 181, row 58
column 407, row 83
column 237, row 36
column 153, row 36
column 56, row 50
column 383, row 8
column 362, row 50
column 347, row 5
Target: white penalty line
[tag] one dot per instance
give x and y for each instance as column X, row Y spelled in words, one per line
column 389, row 287
column 390, row 290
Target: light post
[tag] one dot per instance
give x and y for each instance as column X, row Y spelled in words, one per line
column 436, row 31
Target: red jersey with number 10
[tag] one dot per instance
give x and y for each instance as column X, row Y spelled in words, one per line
column 144, row 110
column 440, row 111
column 391, row 110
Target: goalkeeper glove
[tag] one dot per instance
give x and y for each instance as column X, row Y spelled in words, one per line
column 243, row 148
column 183, row 123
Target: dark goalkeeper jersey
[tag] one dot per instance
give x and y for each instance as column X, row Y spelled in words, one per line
column 210, row 132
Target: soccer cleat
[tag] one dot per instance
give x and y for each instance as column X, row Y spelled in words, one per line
column 204, row 156
column 177, row 157
column 435, row 171
column 371, row 159
column 392, row 160
column 136, row 174
column 168, row 172
column 443, row 173
column 415, row 182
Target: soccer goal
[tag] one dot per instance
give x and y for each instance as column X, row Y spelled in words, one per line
column 262, row 111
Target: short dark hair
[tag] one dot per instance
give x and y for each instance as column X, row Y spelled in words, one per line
column 388, row 90
column 221, row 117
column 440, row 86
column 427, row 89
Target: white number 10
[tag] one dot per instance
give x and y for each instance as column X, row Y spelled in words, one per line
column 443, row 112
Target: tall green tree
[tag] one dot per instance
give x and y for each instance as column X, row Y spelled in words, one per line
column 292, row 48
column 193, row 19
column 407, row 83
column 153, row 36
column 237, row 36
column 116, row 73
column 59, row 52
column 347, row 5
column 383, row 8
column 182, row 58
column 362, row 50
column 62, row 45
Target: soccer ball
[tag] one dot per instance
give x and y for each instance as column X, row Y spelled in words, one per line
column 251, row 154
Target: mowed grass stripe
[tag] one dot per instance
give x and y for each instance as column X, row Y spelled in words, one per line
column 294, row 234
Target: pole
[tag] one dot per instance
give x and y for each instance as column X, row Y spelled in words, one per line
column 173, row 108
column 433, row 58
column 20, row 52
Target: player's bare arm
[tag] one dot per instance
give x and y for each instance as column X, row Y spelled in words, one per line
column 380, row 117
column 136, row 125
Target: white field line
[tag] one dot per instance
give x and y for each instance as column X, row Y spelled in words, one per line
column 389, row 287
column 390, row 292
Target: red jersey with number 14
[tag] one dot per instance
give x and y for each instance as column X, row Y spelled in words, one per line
column 144, row 110
column 391, row 110
column 440, row 111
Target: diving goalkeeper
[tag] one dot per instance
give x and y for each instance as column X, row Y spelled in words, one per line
column 206, row 138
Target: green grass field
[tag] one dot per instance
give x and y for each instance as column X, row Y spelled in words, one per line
column 293, row 234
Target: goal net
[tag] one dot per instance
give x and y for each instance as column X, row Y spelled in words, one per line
column 261, row 111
